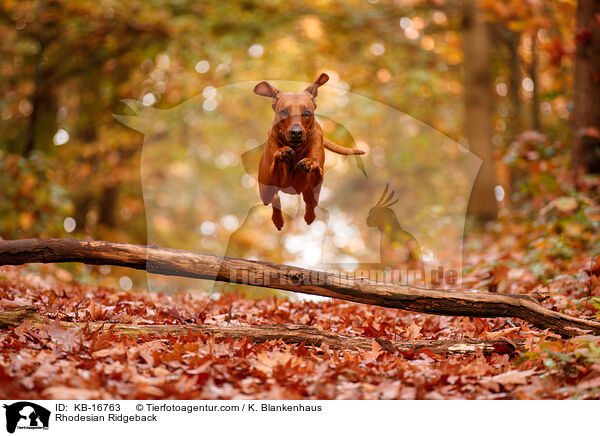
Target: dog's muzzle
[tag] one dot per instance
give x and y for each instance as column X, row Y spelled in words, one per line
column 296, row 133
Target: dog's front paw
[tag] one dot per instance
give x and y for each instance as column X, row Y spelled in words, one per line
column 310, row 165
column 285, row 154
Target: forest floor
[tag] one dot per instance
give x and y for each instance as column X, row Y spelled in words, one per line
column 56, row 363
column 552, row 252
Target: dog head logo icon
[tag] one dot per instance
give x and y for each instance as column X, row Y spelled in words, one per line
column 26, row 415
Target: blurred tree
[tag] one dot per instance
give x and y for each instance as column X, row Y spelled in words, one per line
column 533, row 74
column 586, row 117
column 65, row 66
column 478, row 108
column 71, row 60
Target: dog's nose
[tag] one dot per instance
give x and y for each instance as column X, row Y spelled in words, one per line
column 296, row 132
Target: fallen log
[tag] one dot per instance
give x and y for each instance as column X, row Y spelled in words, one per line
column 168, row 261
column 289, row 333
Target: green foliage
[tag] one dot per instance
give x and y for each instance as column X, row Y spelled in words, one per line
column 595, row 301
column 31, row 202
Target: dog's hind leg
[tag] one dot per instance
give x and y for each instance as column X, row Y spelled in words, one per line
column 277, row 216
column 267, row 192
column 310, row 197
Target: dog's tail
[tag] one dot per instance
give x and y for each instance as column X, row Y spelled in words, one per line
column 340, row 149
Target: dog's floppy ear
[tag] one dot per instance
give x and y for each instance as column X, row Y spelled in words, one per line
column 313, row 87
column 266, row 90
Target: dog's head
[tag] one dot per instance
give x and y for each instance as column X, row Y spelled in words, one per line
column 294, row 111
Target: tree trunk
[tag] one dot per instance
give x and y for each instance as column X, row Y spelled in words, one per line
column 535, row 99
column 108, row 206
column 586, row 115
column 514, row 84
column 42, row 121
column 181, row 263
column 83, row 197
column 515, row 121
column 82, row 206
column 478, row 108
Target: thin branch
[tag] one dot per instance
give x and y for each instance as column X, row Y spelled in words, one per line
column 288, row 333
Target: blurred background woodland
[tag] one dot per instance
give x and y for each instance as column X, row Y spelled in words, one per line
column 516, row 81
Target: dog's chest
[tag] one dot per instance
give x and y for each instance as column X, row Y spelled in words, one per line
column 301, row 151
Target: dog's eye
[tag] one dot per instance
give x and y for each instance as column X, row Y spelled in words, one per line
column 307, row 113
column 284, row 113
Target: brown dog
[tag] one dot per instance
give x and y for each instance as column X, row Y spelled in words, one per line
column 292, row 161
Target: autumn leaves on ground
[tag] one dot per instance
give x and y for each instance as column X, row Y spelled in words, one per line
column 511, row 255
